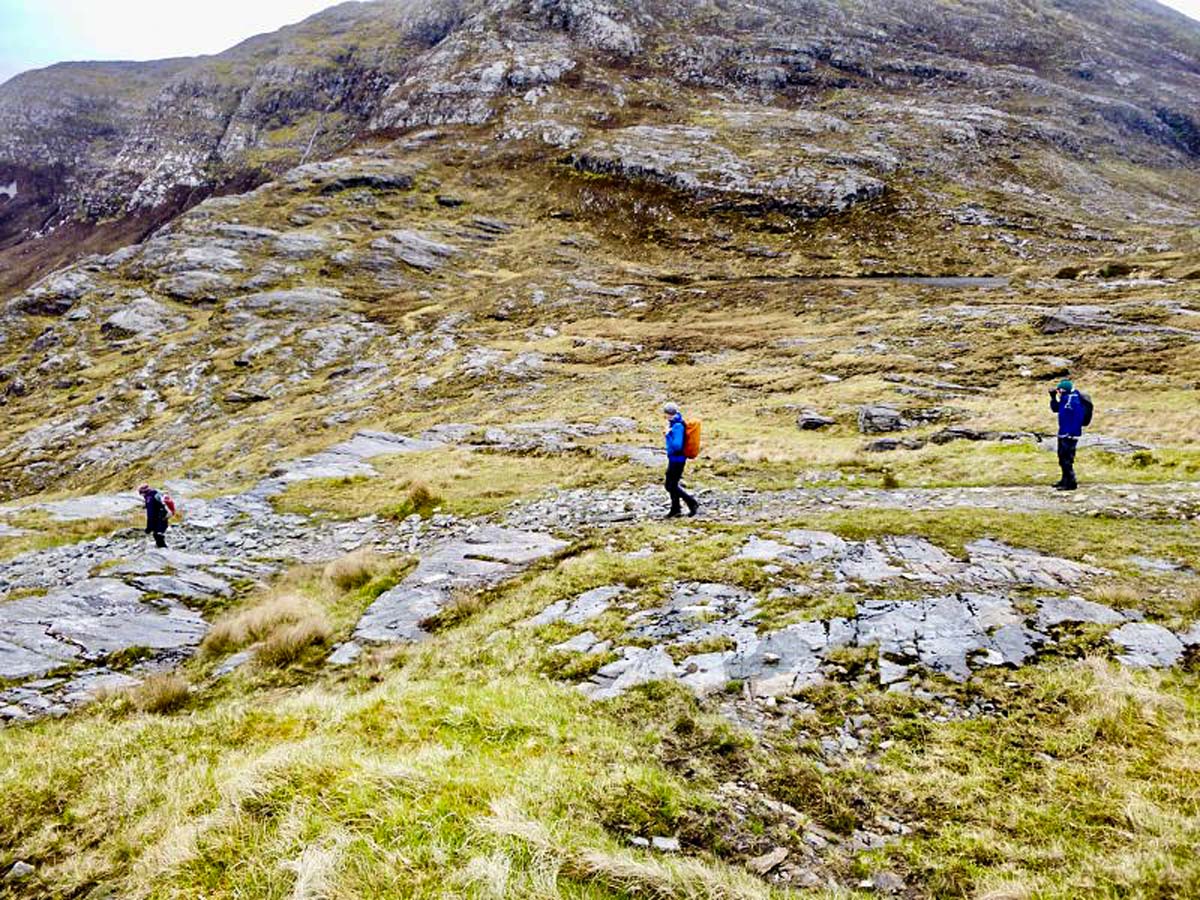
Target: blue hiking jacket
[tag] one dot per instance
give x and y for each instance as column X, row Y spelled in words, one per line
column 675, row 435
column 1070, row 414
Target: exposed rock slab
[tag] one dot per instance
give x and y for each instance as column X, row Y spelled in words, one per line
column 88, row 621
column 1147, row 646
column 584, row 608
column 484, row 556
column 415, row 249
column 693, row 160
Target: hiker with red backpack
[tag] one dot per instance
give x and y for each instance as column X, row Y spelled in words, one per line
column 683, row 443
column 1074, row 410
column 159, row 509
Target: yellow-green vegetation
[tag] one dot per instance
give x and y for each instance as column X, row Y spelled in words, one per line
column 470, row 765
column 1087, row 785
column 300, row 616
column 452, row 769
column 43, row 532
column 422, row 777
column 454, row 481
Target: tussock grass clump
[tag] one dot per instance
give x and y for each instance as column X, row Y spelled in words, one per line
column 282, row 627
column 160, row 693
column 354, row 570
column 245, row 626
column 286, row 644
column 420, row 501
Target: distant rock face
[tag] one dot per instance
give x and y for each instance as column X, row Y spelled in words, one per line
column 82, row 143
column 693, row 160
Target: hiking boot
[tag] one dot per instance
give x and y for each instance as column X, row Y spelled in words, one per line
column 693, row 508
column 673, row 514
column 1066, row 487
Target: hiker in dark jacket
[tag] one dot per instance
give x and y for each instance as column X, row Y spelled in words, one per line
column 676, row 461
column 157, row 514
column 1068, row 403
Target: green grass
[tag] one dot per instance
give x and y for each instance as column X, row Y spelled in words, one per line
column 454, row 768
column 453, row 481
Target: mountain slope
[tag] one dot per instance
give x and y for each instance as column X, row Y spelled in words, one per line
column 391, row 302
column 1081, row 84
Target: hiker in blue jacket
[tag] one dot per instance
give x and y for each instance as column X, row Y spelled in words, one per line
column 676, row 461
column 1072, row 412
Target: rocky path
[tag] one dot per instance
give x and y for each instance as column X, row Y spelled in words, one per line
column 580, row 508
column 71, row 611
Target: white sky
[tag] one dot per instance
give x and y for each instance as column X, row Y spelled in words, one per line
column 36, row 33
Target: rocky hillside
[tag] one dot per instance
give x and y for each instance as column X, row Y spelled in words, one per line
column 1080, row 115
column 391, row 300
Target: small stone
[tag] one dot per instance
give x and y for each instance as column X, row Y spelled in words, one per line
column 232, row 663
column 345, row 654
column 19, row 871
column 887, row 883
column 665, row 844
column 761, row 865
column 811, row 420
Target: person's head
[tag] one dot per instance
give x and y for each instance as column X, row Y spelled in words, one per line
column 671, row 410
column 145, row 489
column 1066, row 386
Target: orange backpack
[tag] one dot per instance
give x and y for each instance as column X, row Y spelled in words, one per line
column 691, row 439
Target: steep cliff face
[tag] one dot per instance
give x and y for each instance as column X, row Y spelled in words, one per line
column 926, row 88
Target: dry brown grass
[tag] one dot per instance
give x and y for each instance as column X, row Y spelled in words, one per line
column 286, row 644
column 246, row 626
column 282, row 627
column 1121, row 595
column 354, row 570
column 160, row 693
column 626, row 873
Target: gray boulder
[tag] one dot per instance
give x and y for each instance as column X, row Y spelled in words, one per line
column 878, row 419
column 376, row 181
column 811, row 420
column 415, row 249
column 301, row 244
column 298, row 302
column 1073, row 318
column 1147, row 646
column 55, row 294
column 197, row 285
column 142, row 317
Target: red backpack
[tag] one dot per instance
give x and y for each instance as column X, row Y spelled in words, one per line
column 169, row 503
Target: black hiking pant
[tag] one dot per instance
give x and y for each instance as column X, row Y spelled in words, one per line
column 1066, row 460
column 678, row 494
column 160, row 539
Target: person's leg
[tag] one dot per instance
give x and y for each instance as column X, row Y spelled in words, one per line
column 1066, row 462
column 160, row 539
column 683, row 495
column 674, row 473
column 1069, row 473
